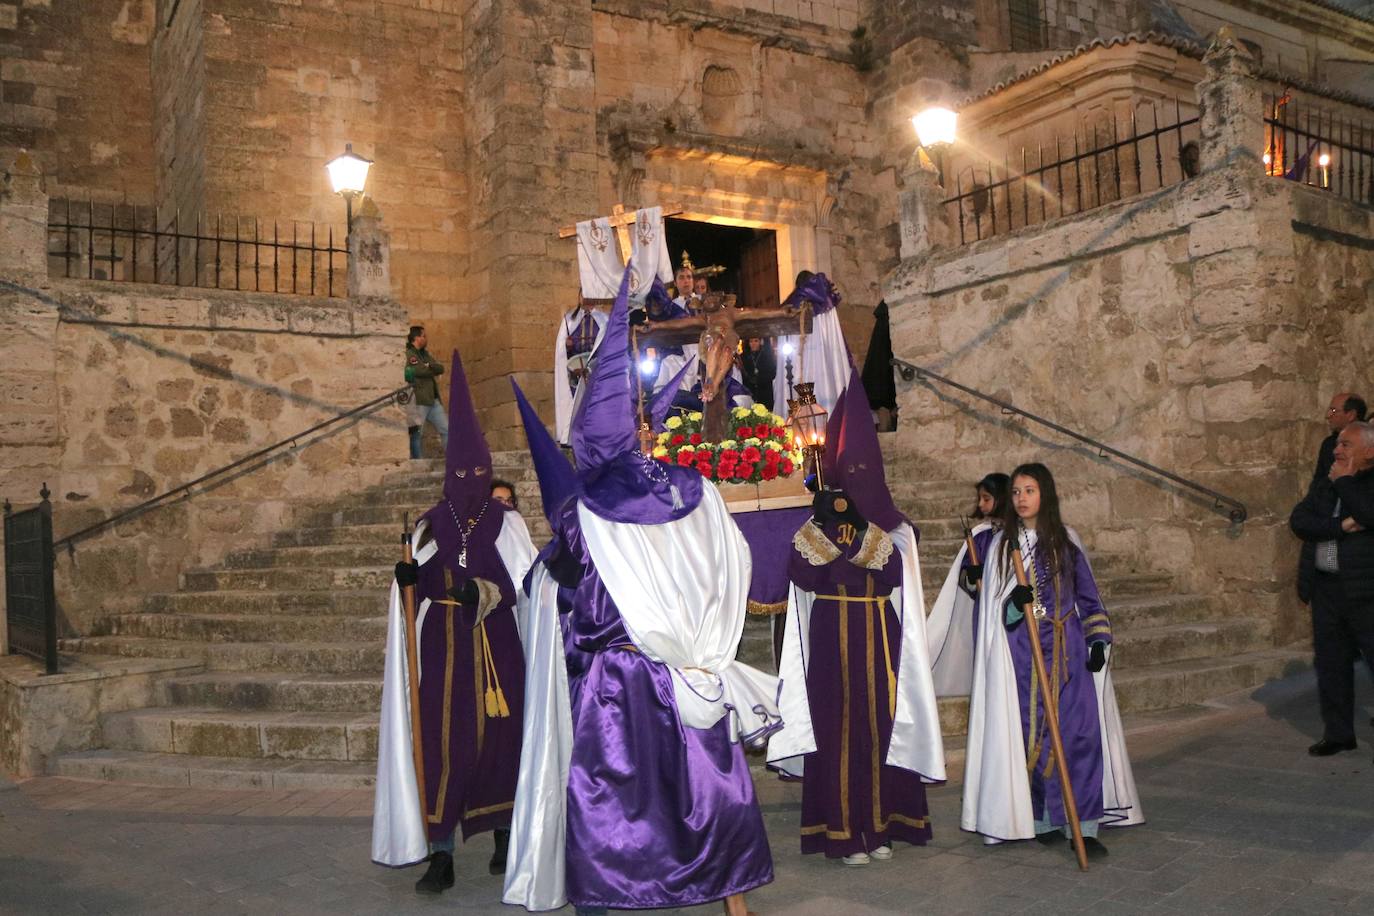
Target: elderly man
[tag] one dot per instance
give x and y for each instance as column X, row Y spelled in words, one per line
column 1336, row 523
column 1345, row 408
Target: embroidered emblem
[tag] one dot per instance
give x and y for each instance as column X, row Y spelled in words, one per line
column 460, row 472
column 415, row 360
column 598, row 236
column 645, row 229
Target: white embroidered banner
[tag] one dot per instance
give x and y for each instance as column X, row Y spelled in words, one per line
column 598, row 259
column 648, row 252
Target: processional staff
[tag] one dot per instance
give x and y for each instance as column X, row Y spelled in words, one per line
column 413, row 667
column 1035, row 613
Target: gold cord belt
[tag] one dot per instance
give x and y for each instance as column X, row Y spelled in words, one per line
column 881, row 602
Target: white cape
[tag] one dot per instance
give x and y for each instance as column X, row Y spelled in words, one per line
column 399, row 835
column 949, row 632
column 565, row 399
column 997, row 800
column 916, row 743
column 824, row 361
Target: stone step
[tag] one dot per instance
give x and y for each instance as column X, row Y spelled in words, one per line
column 247, row 628
column 1181, row 683
column 286, row 577
column 359, row 603
column 303, row 658
column 323, row 536
column 255, row 733
column 1154, row 646
column 277, row 691
column 186, row 771
column 337, row 555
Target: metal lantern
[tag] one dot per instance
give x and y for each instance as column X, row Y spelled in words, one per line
column 348, row 176
column 808, row 421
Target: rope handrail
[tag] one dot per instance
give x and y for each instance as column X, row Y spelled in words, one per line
column 1235, row 509
column 398, row 396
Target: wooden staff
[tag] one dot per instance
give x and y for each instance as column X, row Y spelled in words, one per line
column 968, row 542
column 413, row 664
column 1051, row 719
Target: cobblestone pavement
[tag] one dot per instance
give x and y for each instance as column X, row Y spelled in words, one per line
column 1241, row 820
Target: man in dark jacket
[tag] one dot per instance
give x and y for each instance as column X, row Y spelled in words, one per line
column 1336, row 523
column 422, row 372
column 1345, row 408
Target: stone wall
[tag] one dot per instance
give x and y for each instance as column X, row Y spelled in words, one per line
column 117, row 392
column 1200, row 328
column 75, row 91
column 178, row 77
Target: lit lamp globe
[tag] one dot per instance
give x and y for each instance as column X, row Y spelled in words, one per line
column 348, row 176
column 808, row 426
column 935, row 126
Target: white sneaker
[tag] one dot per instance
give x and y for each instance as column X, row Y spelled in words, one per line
column 859, row 858
column 882, row 853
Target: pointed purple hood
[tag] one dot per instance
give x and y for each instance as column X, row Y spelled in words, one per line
column 819, row 291
column 618, row 483
column 662, row 402
column 858, row 459
column 557, row 479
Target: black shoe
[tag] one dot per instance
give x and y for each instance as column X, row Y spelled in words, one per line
column 1326, row 747
column 497, row 865
column 439, row 877
column 1052, row 838
column 1094, row 848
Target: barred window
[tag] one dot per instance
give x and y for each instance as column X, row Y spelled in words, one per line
column 1027, row 20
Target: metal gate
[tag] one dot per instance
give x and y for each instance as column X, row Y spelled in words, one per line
column 30, row 602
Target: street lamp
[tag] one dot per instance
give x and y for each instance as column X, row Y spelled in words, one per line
column 936, row 128
column 348, row 175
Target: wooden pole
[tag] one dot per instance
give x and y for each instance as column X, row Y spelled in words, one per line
column 413, row 664
column 1052, row 720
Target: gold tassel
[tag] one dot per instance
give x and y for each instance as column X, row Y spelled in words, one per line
column 497, row 708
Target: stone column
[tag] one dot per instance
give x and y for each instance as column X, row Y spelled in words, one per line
column 369, row 255
column 925, row 226
column 1232, row 106
column 23, row 220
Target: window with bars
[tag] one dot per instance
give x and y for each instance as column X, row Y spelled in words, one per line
column 1027, row 25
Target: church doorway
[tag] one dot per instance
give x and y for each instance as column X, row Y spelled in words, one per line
column 746, row 256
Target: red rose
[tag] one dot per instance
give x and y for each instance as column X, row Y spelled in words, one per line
column 787, row 466
column 744, row 471
column 769, row 471
column 664, row 458
column 744, row 432
column 771, row 457
column 738, row 472
column 705, row 455
column 729, row 455
column 678, row 439
column 750, row 454
column 706, row 471
column 779, row 432
column 696, row 438
column 684, row 457
column 761, row 430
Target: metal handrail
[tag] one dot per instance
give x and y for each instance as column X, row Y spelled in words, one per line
column 1237, row 511
column 399, row 396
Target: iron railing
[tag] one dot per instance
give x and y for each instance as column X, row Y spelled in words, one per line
column 1319, row 148
column 1096, row 167
column 30, row 601
column 134, row 244
column 1234, row 508
column 242, row 465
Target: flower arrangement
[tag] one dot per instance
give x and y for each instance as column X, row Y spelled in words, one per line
column 760, row 449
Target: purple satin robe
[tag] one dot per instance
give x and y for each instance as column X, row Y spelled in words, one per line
column 852, row 801
column 471, row 758
column 1074, row 602
column 659, row 815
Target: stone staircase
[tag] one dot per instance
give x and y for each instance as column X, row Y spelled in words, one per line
column 290, row 639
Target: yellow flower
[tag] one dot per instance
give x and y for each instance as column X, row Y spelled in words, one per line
column 773, row 446
column 761, row 411
column 695, row 416
column 663, row 438
column 728, row 443
column 752, row 440
column 673, row 422
column 739, row 413
column 661, row 451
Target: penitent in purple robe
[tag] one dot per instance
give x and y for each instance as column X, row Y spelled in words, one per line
column 659, row 814
column 1074, row 620
column 852, row 801
column 471, row 756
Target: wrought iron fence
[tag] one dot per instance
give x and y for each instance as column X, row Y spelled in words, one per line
column 141, row 245
column 1319, row 148
column 1097, row 166
column 30, row 601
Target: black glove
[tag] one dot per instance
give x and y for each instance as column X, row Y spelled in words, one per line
column 638, row 317
column 565, row 568
column 407, row 574
column 974, row 572
column 1097, row 657
column 1022, row 597
column 464, row 592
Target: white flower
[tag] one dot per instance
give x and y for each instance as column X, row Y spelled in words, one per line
column 752, row 440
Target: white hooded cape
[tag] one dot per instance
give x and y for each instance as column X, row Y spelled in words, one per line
column 916, row 743
column 399, row 835
column 949, row 632
column 681, row 589
column 997, row 801
column 564, row 398
column 824, row 361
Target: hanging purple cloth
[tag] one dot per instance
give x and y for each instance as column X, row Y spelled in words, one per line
column 769, row 534
column 817, row 290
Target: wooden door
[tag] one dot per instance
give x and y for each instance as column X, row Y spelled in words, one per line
column 759, row 273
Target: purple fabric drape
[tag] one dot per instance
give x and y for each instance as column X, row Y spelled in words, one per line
column 769, row 534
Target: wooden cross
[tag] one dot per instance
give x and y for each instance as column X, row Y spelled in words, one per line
column 621, row 220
